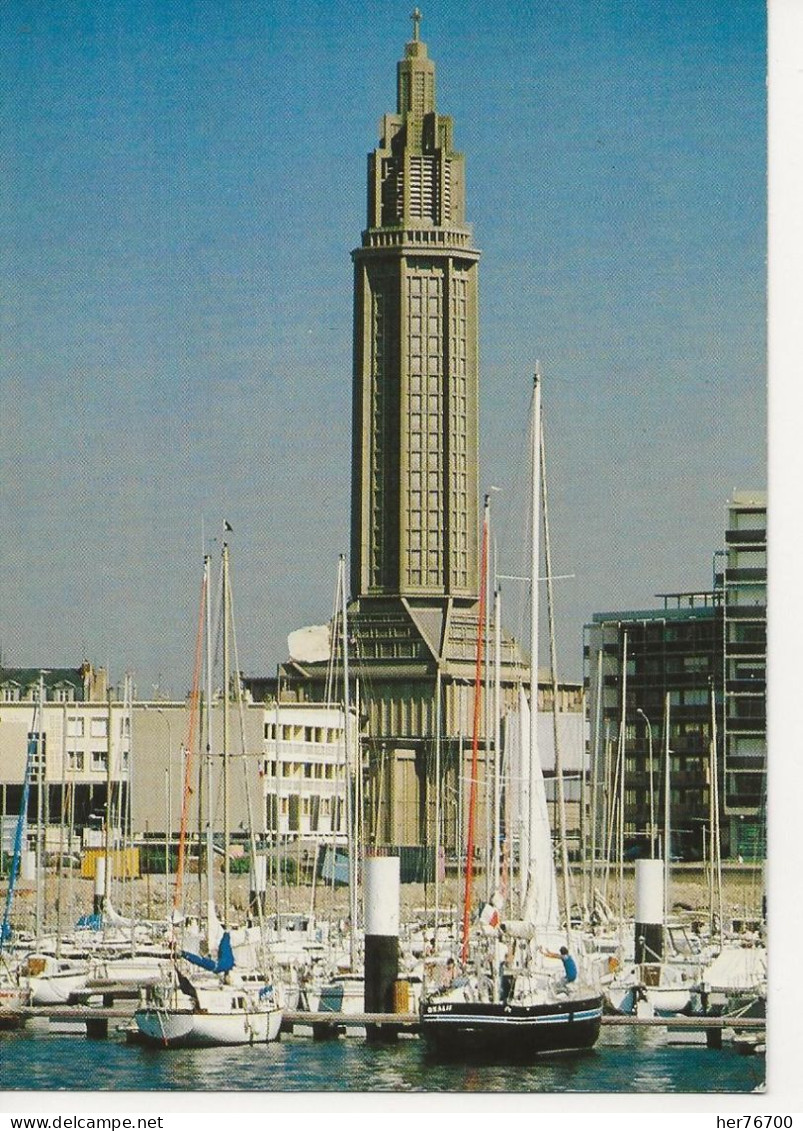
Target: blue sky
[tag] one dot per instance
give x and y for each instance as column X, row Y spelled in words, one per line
column 182, row 187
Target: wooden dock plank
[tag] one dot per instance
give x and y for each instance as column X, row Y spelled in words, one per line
column 407, row 1020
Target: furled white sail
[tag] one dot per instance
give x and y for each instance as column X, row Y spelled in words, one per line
column 541, row 903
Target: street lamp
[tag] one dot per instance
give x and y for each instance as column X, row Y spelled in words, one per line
column 652, row 786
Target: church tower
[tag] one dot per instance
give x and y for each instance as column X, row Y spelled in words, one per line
column 413, row 618
column 414, row 440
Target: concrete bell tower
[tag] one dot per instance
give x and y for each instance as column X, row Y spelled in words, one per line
column 414, row 508
column 415, row 584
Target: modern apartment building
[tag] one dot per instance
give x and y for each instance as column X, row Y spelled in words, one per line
column 698, row 661
column 744, row 584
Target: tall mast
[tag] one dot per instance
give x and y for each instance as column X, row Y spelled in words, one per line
column 210, row 842
column 490, row 876
column 351, row 822
column 534, row 764
column 40, row 786
column 715, row 855
column 497, row 743
column 620, row 782
column 475, row 739
column 438, row 696
column 225, row 739
column 592, row 862
column 351, row 816
column 109, row 748
column 667, row 810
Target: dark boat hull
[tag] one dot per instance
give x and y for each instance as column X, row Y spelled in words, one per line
column 507, row 1030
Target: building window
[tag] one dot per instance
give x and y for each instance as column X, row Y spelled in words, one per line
column 75, row 760
column 75, row 727
column 64, row 694
column 10, row 694
column 100, row 759
column 39, row 755
column 98, row 728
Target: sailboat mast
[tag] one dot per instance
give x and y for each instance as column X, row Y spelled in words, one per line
column 490, row 875
column 620, row 783
column 497, row 744
column 39, row 723
column 715, row 855
column 472, row 796
column 350, row 815
column 534, row 763
column 108, row 838
column 225, row 739
column 667, row 830
column 438, row 694
column 60, row 869
column 210, row 844
column 592, row 862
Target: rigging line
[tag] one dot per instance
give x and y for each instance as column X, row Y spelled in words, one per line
column 329, row 687
column 217, row 630
column 188, row 751
column 567, row 895
column 216, row 636
column 472, row 802
column 515, row 542
column 248, row 805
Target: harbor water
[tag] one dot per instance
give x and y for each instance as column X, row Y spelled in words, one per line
column 624, row 1061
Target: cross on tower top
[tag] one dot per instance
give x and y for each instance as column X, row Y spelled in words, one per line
column 416, row 18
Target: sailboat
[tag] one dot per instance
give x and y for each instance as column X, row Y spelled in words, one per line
column 342, row 990
column 226, row 1006
column 515, row 1004
column 221, row 1009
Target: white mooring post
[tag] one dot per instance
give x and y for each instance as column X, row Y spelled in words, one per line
column 382, row 890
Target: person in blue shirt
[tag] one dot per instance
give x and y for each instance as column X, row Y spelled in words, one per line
column 569, row 965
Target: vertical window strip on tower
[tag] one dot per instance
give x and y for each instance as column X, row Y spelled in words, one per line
column 446, row 192
column 458, row 423
column 377, row 438
column 424, row 502
column 423, row 188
